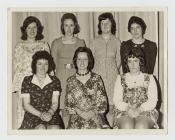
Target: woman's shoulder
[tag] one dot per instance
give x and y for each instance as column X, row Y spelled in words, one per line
column 57, row 40
column 71, row 78
column 28, row 78
column 54, row 78
column 127, row 42
column 95, row 76
column 80, row 41
column 150, row 43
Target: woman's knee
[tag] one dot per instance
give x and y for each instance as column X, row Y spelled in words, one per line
column 126, row 123
column 143, row 123
column 40, row 126
column 53, row 127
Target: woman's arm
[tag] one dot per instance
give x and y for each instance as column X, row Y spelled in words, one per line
column 152, row 96
column 69, row 99
column 17, row 68
column 47, row 47
column 118, row 57
column 28, row 107
column 118, row 95
column 101, row 101
column 54, row 48
column 55, row 99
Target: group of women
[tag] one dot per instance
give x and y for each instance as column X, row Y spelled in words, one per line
column 75, row 86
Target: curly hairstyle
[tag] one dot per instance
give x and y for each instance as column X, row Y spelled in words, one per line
column 138, row 53
column 89, row 55
column 137, row 20
column 105, row 16
column 28, row 21
column 74, row 19
column 43, row 55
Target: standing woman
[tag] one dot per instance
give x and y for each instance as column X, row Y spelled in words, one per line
column 31, row 42
column 106, row 50
column 137, row 28
column 63, row 50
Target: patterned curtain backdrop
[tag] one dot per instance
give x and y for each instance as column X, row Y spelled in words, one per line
column 88, row 22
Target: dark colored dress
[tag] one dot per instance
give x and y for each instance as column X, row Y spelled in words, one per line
column 149, row 49
column 88, row 96
column 40, row 99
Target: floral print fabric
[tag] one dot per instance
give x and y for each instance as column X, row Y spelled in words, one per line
column 86, row 97
column 136, row 95
column 40, row 99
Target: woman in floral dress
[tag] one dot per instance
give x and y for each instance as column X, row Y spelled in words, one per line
column 86, row 98
column 40, row 95
column 135, row 95
column 24, row 50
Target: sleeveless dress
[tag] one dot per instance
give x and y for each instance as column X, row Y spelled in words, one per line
column 136, row 95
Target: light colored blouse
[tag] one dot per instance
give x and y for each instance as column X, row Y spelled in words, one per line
column 135, row 82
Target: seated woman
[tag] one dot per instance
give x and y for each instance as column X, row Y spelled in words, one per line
column 135, row 95
column 86, row 98
column 40, row 94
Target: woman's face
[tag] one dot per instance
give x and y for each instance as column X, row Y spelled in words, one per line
column 69, row 27
column 106, row 26
column 136, row 30
column 134, row 65
column 82, row 61
column 31, row 30
column 42, row 66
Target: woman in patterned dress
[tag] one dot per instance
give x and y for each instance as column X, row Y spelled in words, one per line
column 62, row 50
column 86, row 98
column 137, row 29
column 31, row 42
column 135, row 95
column 40, row 94
column 106, row 51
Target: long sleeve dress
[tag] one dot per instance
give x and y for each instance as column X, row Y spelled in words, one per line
column 149, row 49
column 107, row 62
column 140, row 90
column 23, row 53
column 88, row 96
column 63, row 58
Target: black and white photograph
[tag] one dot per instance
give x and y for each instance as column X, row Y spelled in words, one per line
column 73, row 70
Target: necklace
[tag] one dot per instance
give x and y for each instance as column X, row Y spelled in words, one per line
column 82, row 74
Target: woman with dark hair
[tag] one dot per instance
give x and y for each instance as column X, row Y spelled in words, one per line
column 62, row 50
column 135, row 95
column 137, row 28
column 106, row 50
column 86, row 99
column 40, row 94
column 31, row 42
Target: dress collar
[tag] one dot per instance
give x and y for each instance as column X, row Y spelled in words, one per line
column 47, row 80
column 111, row 37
